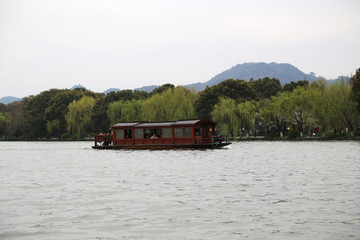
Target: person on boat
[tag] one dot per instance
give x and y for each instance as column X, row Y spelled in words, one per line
column 154, row 136
column 211, row 132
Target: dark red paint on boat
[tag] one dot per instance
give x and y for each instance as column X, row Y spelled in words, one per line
column 198, row 133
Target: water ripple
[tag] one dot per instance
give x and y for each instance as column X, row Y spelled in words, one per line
column 251, row 190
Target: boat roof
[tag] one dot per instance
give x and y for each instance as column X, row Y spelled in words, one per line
column 162, row 124
column 187, row 122
column 157, row 124
column 126, row 124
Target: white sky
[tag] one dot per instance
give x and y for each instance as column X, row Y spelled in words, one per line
column 128, row 44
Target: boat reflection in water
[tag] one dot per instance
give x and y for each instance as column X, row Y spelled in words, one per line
column 198, row 133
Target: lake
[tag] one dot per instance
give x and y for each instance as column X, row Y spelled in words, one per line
column 249, row 190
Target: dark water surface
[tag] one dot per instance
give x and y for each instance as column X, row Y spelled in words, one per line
column 251, row 190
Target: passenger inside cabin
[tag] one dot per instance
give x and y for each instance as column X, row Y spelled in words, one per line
column 128, row 133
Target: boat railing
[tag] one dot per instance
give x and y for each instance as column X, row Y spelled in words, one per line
column 103, row 139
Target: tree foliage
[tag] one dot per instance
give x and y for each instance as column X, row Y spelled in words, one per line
column 231, row 116
column 57, row 109
column 342, row 109
column 34, row 113
column 170, row 105
column 79, row 115
column 234, row 104
column 355, row 88
column 238, row 90
column 125, row 111
column 289, row 87
column 162, row 89
column 266, row 87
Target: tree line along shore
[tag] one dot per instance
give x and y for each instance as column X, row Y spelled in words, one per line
column 245, row 110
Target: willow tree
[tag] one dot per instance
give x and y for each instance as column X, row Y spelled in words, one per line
column 125, row 111
column 170, row 105
column 355, row 88
column 320, row 104
column 4, row 121
column 224, row 114
column 298, row 106
column 246, row 112
column 57, row 109
column 342, row 108
column 272, row 113
column 79, row 115
column 231, row 116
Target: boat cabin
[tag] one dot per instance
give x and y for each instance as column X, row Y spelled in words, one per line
column 179, row 133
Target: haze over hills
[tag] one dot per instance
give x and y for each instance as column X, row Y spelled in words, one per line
column 285, row 72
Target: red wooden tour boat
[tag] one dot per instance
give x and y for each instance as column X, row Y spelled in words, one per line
column 161, row 135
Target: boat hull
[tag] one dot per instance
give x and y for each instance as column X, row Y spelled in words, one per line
column 165, row 146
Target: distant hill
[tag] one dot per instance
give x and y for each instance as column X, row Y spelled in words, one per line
column 9, row 99
column 147, row 88
column 283, row 71
column 111, row 90
column 77, row 86
column 340, row 78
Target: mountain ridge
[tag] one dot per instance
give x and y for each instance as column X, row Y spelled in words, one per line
column 285, row 72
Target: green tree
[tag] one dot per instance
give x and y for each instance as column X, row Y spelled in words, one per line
column 289, row 87
column 114, row 111
column 231, row 116
column 34, row 114
column 266, row 87
column 298, row 106
column 162, row 89
column 124, row 95
column 15, row 126
column 342, row 108
column 78, row 117
column 125, row 111
column 57, row 109
column 246, row 113
column 224, row 114
column 170, row 105
column 355, row 88
column 320, row 108
column 4, row 121
column 272, row 115
column 100, row 118
column 239, row 90
column 140, row 95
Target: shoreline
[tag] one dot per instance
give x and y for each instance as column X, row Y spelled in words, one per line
column 262, row 138
column 241, row 139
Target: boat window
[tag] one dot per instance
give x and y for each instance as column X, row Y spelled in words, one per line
column 139, row 133
column 128, row 134
column 152, row 133
column 183, row 132
column 147, row 133
column 119, row 133
column 166, row 132
column 187, row 132
column 157, row 132
column 178, row 132
column 197, row 131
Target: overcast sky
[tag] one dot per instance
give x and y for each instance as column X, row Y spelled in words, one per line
column 128, row 44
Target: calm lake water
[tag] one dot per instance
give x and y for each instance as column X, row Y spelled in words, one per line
column 250, row 190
